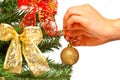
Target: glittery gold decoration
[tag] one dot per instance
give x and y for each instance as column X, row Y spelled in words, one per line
column 26, row 44
column 69, row 55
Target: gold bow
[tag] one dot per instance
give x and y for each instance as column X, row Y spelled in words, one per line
column 25, row 43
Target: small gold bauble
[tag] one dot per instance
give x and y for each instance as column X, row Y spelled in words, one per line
column 69, row 55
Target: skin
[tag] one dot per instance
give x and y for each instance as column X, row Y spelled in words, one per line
column 85, row 26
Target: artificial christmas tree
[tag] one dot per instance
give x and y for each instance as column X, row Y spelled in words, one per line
column 38, row 13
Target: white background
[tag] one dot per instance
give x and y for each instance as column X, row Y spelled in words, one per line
column 95, row 63
column 99, row 62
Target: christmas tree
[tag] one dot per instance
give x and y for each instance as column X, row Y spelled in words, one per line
column 12, row 15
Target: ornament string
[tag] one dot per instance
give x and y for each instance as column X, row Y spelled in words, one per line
column 26, row 44
column 46, row 10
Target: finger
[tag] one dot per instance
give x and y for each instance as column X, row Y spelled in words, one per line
column 83, row 40
column 87, row 34
column 79, row 30
column 75, row 26
column 81, row 20
column 77, row 10
column 74, row 33
column 69, row 13
column 67, row 38
column 78, row 42
column 64, row 28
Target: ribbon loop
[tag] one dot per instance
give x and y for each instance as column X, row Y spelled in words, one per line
column 13, row 59
column 30, row 37
column 36, row 61
column 32, row 33
column 46, row 10
column 7, row 32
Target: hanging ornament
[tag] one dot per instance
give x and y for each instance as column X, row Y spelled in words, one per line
column 69, row 55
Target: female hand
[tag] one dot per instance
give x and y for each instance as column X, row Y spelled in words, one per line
column 83, row 25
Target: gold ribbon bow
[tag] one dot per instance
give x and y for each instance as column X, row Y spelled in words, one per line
column 25, row 43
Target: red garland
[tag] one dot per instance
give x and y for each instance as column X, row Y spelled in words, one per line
column 46, row 10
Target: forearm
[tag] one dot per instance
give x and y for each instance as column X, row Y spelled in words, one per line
column 115, row 31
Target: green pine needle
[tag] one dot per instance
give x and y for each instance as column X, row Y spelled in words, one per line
column 57, row 72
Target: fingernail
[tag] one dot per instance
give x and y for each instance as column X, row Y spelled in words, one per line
column 67, row 38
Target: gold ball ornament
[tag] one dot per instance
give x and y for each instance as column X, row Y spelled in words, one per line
column 69, row 55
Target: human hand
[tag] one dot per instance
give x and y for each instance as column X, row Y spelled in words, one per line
column 83, row 25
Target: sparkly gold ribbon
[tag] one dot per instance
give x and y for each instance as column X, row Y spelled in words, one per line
column 25, row 43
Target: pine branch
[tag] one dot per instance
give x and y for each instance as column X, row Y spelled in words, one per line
column 49, row 43
column 10, row 14
column 57, row 71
